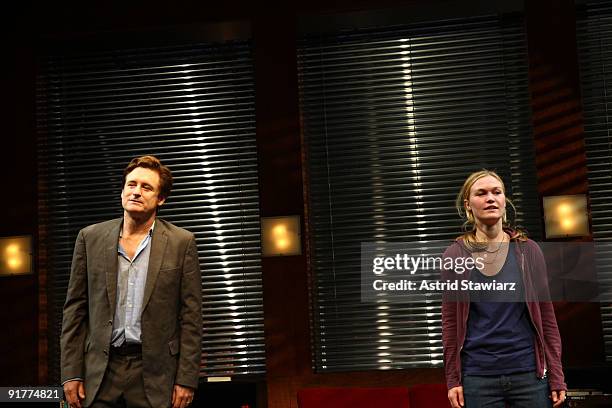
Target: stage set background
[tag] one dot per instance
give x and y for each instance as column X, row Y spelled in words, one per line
column 557, row 126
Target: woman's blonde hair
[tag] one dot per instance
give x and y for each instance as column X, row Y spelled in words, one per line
column 469, row 225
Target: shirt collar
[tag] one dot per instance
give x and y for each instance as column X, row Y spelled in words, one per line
column 150, row 230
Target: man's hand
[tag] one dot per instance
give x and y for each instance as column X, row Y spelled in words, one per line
column 455, row 396
column 558, row 397
column 75, row 393
column 181, row 396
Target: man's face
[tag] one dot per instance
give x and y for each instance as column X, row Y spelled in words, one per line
column 140, row 194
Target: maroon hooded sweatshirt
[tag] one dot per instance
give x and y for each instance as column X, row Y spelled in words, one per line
column 456, row 307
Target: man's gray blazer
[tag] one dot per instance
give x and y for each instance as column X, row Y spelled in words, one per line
column 171, row 319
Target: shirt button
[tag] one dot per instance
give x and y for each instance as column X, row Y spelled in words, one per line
column 110, row 322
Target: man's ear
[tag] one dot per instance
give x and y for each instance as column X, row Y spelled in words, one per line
column 161, row 201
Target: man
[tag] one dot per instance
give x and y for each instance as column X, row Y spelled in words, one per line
column 132, row 322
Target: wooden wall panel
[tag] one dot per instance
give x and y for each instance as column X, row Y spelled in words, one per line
column 560, row 151
column 19, row 295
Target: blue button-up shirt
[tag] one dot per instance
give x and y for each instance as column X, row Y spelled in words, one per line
column 131, row 279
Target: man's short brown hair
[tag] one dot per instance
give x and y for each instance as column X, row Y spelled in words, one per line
column 153, row 163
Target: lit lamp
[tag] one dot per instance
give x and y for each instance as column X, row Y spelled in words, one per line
column 566, row 216
column 281, row 236
column 15, row 255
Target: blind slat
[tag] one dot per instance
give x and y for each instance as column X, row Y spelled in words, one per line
column 193, row 107
column 393, row 121
column 594, row 38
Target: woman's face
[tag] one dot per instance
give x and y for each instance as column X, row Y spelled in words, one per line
column 487, row 200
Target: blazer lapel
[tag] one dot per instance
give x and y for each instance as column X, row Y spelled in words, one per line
column 111, row 240
column 156, row 256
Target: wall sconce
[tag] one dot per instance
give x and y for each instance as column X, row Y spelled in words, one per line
column 566, row 216
column 16, row 255
column 281, row 236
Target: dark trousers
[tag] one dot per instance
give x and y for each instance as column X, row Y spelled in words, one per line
column 524, row 390
column 123, row 384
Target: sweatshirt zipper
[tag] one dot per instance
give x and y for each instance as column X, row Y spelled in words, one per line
column 467, row 315
column 543, row 363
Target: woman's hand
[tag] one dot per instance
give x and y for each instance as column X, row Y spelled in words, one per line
column 558, row 397
column 455, row 396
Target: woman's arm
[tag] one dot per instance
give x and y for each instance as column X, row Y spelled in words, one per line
column 449, row 327
column 550, row 330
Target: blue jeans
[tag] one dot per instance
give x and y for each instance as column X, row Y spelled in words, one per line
column 523, row 390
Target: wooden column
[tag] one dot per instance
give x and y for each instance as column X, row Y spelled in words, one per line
column 560, row 151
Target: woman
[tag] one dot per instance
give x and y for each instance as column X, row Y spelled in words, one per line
column 499, row 353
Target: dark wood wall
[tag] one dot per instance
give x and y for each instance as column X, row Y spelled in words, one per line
column 558, row 135
column 560, row 152
column 19, row 295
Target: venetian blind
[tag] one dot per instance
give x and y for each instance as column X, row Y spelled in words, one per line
column 594, row 36
column 393, row 121
column 193, row 107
